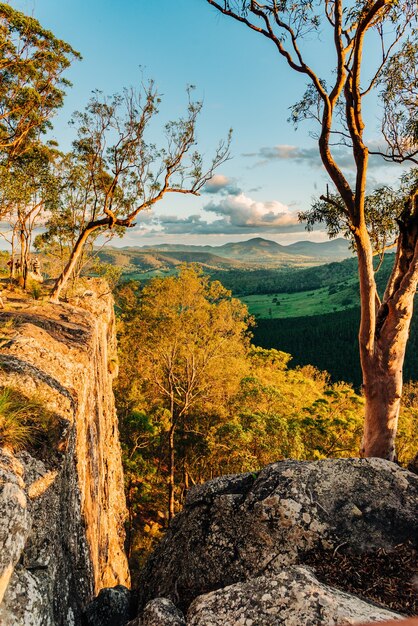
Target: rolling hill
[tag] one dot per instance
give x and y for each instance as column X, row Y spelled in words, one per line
column 253, row 254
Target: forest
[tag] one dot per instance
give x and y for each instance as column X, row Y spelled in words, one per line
column 228, row 404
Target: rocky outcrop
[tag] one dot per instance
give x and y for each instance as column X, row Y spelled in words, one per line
column 231, row 554
column 293, row 597
column 62, row 516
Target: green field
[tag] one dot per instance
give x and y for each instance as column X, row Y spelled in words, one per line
column 304, row 303
column 146, row 275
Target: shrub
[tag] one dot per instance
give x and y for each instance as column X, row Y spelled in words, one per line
column 34, row 289
column 25, row 423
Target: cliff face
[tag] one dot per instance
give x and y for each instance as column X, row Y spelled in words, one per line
column 62, row 513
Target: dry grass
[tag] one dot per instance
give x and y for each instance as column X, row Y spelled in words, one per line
column 25, row 423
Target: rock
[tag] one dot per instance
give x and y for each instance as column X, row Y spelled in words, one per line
column 24, row 603
column 62, row 517
column 238, row 528
column 15, row 520
column 293, row 597
column 160, row 612
column 110, row 608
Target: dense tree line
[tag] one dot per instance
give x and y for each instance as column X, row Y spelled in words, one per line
column 328, row 342
column 295, row 280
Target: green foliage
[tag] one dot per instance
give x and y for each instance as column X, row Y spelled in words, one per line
column 34, row 289
column 32, row 62
column 383, row 208
column 109, row 272
column 255, row 410
column 15, row 431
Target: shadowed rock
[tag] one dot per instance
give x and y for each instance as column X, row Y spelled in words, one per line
column 238, row 528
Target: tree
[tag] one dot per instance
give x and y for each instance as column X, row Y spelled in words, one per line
column 337, row 106
column 29, row 189
column 32, row 62
column 123, row 173
column 187, row 341
column 67, row 218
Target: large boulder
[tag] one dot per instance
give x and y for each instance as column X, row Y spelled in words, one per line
column 240, row 528
column 293, row 597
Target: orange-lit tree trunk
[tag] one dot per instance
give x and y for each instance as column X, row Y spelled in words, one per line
column 384, row 331
column 75, row 255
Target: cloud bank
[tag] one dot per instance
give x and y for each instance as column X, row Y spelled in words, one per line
column 310, row 156
column 232, row 215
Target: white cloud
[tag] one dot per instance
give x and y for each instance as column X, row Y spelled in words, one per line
column 233, row 215
column 221, row 184
column 244, row 212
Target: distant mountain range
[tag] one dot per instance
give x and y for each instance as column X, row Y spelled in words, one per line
column 251, row 254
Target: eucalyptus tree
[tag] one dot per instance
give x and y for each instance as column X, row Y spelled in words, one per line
column 336, row 100
column 123, row 172
column 187, row 341
column 27, row 194
column 67, row 217
column 32, row 63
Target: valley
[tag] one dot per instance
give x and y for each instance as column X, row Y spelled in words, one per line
column 252, row 255
column 310, row 312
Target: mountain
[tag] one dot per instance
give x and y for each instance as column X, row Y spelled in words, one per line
column 254, row 253
column 337, row 249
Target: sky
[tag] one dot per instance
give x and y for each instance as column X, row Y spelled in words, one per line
column 274, row 172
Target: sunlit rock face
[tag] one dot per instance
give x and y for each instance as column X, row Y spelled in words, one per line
column 241, row 534
column 62, row 514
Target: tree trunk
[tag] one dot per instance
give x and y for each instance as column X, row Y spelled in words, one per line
column 382, row 364
column 72, row 261
column 382, row 391
column 171, row 471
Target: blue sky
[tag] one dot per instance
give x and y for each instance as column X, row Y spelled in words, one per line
column 274, row 171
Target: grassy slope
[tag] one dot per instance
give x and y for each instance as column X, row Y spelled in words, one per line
column 312, row 302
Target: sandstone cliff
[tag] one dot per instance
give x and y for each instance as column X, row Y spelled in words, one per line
column 62, row 514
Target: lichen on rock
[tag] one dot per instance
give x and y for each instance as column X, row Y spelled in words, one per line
column 239, row 528
column 293, row 597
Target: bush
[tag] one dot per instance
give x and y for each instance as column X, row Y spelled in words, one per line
column 25, row 423
column 34, row 289
column 15, row 431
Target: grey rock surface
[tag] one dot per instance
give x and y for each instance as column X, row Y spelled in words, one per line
column 241, row 527
column 24, row 602
column 162, row 612
column 293, row 597
column 15, row 520
column 110, row 608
